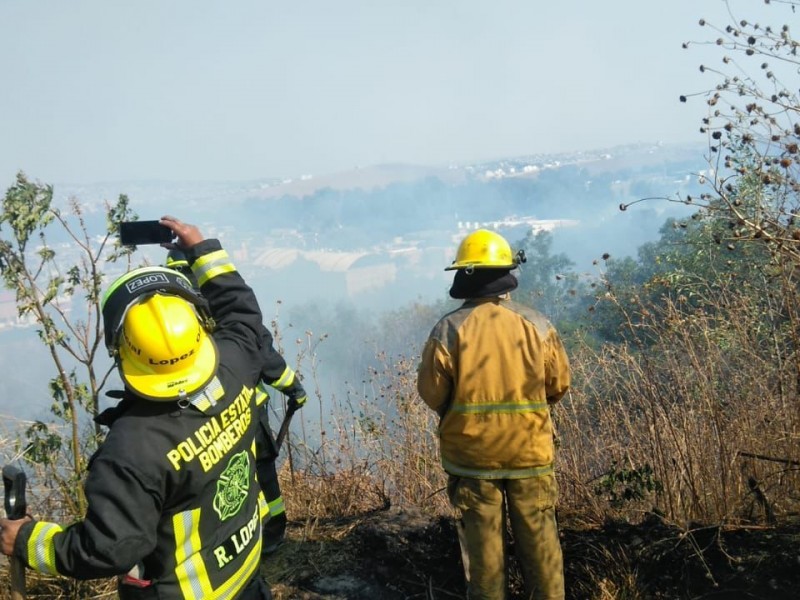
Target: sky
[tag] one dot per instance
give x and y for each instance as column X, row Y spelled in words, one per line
column 201, row 90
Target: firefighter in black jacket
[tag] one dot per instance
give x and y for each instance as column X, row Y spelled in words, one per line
column 280, row 376
column 174, row 508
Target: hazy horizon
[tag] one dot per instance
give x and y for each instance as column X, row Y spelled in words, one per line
column 200, row 91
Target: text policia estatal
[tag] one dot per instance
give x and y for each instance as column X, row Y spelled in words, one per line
column 216, row 437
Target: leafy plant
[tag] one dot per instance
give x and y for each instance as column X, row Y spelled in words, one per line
column 622, row 485
column 44, row 280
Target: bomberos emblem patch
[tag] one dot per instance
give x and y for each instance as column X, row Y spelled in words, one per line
column 232, row 486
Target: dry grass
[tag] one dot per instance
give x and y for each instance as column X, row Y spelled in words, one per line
column 379, row 448
column 695, row 418
column 680, row 424
column 45, row 500
column 711, row 406
column 617, row 583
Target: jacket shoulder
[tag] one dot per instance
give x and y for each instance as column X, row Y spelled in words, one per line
column 449, row 324
column 531, row 315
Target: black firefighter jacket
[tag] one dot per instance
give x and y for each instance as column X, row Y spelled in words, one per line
column 172, row 492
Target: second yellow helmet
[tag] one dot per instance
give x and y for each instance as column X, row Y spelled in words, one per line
column 483, row 249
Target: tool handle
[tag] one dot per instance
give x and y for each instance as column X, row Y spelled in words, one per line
column 14, row 484
column 16, row 576
column 287, row 419
column 16, row 506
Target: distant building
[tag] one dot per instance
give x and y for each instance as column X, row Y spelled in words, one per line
column 514, row 223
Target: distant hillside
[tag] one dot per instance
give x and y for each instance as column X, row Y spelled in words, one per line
column 366, row 178
column 399, row 216
column 359, row 209
column 151, row 196
column 604, row 160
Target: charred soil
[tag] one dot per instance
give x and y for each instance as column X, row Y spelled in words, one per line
column 395, row 554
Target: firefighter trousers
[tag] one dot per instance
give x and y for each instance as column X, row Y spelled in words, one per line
column 530, row 506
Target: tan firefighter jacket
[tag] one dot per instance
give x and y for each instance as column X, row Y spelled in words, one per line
column 491, row 369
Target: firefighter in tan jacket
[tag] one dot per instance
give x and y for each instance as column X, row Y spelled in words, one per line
column 491, row 369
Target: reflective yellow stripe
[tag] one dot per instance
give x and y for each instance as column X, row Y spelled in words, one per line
column 231, row 588
column 285, row 380
column 210, row 265
column 191, row 570
column 262, row 395
column 41, row 550
column 459, row 471
column 277, row 506
column 263, row 507
column 176, row 264
column 508, row 407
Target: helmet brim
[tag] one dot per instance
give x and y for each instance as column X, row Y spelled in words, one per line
column 167, row 387
column 456, row 266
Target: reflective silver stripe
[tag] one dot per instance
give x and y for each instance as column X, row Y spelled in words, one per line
column 210, row 265
column 508, row 407
column 208, row 396
column 191, row 569
column 187, row 547
column 41, row 550
column 285, row 380
column 460, row 471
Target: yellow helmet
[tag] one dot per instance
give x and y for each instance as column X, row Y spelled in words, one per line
column 164, row 351
column 157, row 329
column 483, row 249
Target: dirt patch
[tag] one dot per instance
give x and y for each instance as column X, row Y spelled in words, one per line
column 655, row 560
column 389, row 554
column 396, row 554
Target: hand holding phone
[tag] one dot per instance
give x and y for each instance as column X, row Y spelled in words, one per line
column 186, row 235
column 137, row 233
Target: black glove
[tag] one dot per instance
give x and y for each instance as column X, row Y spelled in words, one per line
column 297, row 397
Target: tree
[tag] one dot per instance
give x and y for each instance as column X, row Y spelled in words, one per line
column 746, row 226
column 548, row 281
column 708, row 318
column 44, row 280
column 754, row 149
column 754, row 133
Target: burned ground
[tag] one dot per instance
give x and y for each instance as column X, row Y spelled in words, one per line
column 396, row 554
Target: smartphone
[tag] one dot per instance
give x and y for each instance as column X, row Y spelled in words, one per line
column 136, row 233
